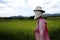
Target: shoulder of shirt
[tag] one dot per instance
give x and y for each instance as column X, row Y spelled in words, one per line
column 42, row 20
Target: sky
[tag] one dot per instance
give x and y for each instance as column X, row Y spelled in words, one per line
column 25, row 7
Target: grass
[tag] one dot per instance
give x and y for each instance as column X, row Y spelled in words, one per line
column 24, row 29
column 54, row 29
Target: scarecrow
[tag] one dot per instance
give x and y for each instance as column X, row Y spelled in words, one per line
column 41, row 31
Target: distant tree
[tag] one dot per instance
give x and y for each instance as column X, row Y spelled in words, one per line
column 31, row 17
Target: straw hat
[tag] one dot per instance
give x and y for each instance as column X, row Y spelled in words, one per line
column 38, row 8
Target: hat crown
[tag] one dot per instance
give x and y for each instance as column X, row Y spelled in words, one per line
column 38, row 8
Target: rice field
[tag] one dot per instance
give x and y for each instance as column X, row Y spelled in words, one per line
column 24, row 29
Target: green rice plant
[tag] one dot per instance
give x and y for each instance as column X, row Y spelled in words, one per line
column 24, row 29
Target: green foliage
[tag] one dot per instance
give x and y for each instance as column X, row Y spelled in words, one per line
column 24, row 29
column 54, row 29
column 17, row 30
column 53, row 18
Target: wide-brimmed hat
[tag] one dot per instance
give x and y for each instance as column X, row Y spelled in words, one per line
column 38, row 8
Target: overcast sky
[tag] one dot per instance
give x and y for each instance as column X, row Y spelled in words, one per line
column 26, row 7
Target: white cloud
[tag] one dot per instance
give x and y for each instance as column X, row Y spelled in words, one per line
column 8, row 9
column 47, row 5
column 53, row 7
column 35, row 3
column 25, row 7
column 15, row 7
